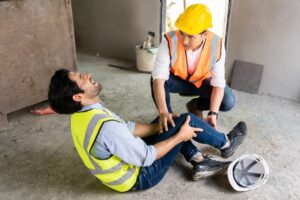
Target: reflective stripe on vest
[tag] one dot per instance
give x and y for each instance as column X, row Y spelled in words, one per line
column 213, row 55
column 173, row 48
column 112, row 172
column 210, row 53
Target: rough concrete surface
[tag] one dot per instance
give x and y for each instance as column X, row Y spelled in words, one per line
column 38, row 160
column 36, row 38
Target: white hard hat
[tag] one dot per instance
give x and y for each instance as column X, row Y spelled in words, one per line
column 248, row 172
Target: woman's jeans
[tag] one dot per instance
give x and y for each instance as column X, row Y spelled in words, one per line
column 151, row 175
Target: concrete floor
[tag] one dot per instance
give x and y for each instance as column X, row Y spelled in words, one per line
column 38, row 160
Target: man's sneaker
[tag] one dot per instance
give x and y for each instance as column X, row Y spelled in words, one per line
column 208, row 167
column 192, row 107
column 236, row 138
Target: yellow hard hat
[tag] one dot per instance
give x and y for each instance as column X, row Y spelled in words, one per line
column 195, row 19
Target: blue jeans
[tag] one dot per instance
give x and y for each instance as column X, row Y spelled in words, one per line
column 151, row 175
column 176, row 85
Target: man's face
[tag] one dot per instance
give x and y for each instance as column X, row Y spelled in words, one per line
column 192, row 42
column 85, row 82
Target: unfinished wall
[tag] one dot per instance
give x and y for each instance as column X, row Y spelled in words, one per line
column 267, row 32
column 36, row 38
column 114, row 28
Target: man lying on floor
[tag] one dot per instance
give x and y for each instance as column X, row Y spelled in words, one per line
column 133, row 156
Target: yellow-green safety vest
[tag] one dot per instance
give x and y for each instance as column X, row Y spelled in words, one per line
column 112, row 172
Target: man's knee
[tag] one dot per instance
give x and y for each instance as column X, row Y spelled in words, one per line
column 228, row 102
column 181, row 119
column 192, row 117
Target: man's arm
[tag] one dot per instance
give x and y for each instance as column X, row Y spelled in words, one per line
column 218, row 83
column 159, row 94
column 185, row 133
column 160, row 74
column 165, row 117
column 144, row 130
column 215, row 102
column 114, row 138
column 216, row 98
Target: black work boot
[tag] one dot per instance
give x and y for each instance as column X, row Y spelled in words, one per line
column 208, row 167
column 236, row 137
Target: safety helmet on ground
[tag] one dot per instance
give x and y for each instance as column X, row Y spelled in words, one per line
column 248, row 172
column 195, row 19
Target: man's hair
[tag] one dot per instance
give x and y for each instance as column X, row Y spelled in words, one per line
column 61, row 91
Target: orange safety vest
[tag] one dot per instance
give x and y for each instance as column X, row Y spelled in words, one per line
column 211, row 53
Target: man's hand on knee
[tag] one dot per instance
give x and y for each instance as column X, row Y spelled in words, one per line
column 187, row 132
column 165, row 119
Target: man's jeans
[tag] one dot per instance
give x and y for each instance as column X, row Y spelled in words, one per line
column 153, row 174
column 177, row 85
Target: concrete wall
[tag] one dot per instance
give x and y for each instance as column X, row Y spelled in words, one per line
column 267, row 32
column 36, row 39
column 115, row 27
